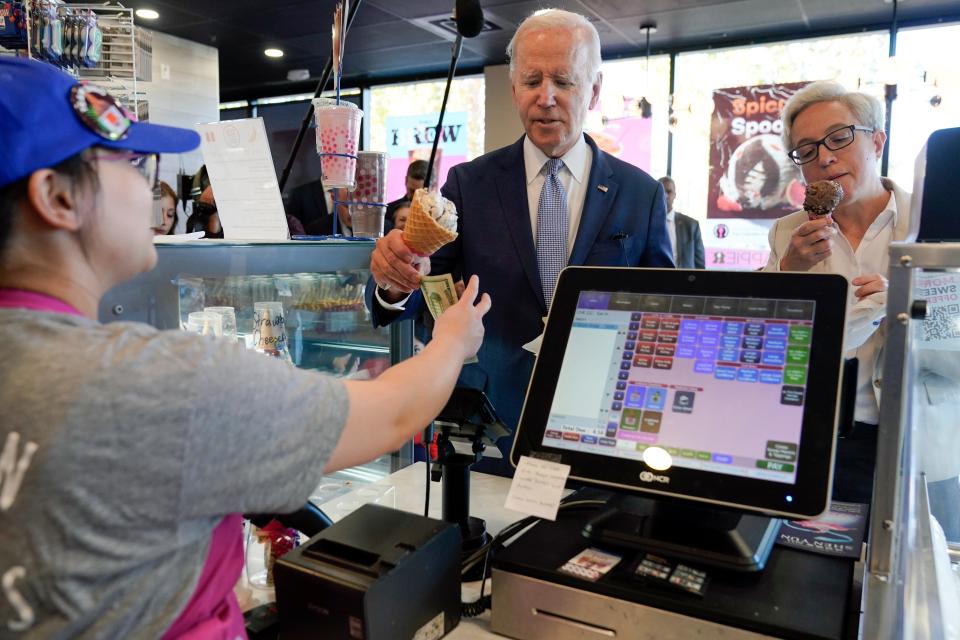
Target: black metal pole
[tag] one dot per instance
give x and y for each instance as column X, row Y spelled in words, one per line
column 457, row 47
column 890, row 93
column 456, row 491
column 324, row 78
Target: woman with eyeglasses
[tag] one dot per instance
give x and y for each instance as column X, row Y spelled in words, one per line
column 835, row 134
column 119, row 509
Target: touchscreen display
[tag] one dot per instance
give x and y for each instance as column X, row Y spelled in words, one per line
column 719, row 383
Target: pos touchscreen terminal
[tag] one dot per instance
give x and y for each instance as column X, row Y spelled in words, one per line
column 715, row 393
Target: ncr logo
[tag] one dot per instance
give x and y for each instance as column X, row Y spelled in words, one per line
column 646, row 476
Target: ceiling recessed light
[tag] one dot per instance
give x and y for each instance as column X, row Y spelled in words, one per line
column 147, row 14
column 273, row 53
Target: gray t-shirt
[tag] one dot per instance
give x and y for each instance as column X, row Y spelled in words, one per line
column 121, row 448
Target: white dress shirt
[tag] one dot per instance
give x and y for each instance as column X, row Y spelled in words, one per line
column 576, row 170
column 573, row 177
column 672, row 231
column 862, row 341
column 864, row 317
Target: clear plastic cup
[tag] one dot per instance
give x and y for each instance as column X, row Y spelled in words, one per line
column 205, row 323
column 270, row 330
column 229, row 321
column 368, row 222
column 338, row 132
column 371, row 185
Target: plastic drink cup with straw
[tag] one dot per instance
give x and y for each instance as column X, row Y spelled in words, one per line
column 338, row 138
column 367, row 206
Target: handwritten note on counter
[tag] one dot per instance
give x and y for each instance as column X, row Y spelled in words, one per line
column 537, row 487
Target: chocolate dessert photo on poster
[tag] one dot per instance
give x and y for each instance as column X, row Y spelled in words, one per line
column 750, row 173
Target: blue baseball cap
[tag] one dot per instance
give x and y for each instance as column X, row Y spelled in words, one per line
column 46, row 116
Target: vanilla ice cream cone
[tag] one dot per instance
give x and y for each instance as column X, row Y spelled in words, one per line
column 432, row 223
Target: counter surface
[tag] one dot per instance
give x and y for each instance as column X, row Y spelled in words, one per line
column 487, row 496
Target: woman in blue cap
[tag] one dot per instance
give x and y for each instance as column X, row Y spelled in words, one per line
column 119, row 512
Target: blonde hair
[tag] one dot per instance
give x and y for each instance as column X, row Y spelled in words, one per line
column 865, row 108
column 561, row 19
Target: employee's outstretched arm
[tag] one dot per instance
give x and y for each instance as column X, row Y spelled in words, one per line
column 388, row 411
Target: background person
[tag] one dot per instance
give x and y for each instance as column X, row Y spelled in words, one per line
column 168, row 207
column 527, row 210
column 400, row 214
column 416, row 175
column 121, row 518
column 685, row 239
column 308, row 204
column 835, row 134
column 205, row 216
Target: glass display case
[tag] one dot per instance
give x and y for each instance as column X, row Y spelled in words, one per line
column 913, row 583
column 317, row 295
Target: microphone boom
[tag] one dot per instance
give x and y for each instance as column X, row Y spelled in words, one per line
column 469, row 17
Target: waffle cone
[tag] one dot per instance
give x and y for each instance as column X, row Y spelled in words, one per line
column 422, row 233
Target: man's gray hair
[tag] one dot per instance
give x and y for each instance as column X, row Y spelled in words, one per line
column 865, row 108
column 560, row 19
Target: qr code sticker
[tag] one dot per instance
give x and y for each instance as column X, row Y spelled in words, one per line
column 942, row 323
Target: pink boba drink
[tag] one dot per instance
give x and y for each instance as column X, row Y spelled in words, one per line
column 338, row 136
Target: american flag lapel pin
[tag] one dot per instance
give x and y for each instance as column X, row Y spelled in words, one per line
column 602, row 188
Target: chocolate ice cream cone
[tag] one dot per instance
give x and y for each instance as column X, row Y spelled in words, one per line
column 822, row 197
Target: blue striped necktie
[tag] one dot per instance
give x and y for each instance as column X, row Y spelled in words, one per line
column 553, row 224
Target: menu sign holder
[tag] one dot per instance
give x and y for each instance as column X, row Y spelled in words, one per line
column 244, row 180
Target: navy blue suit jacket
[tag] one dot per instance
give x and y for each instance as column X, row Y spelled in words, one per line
column 308, row 204
column 623, row 223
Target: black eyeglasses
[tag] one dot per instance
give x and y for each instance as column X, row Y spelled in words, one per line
column 835, row 140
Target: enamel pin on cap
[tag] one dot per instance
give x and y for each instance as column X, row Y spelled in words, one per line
column 100, row 112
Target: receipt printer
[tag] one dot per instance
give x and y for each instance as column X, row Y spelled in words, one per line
column 378, row 574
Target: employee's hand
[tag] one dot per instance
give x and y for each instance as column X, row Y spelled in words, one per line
column 460, row 327
column 395, row 267
column 810, row 244
column 868, row 284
